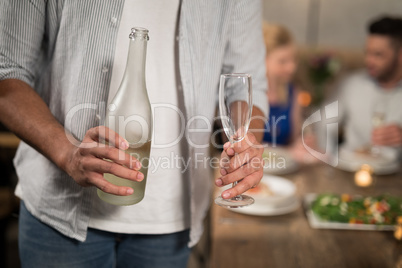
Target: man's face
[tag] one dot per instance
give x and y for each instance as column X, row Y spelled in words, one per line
column 381, row 57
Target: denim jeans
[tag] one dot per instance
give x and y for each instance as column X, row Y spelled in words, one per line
column 43, row 246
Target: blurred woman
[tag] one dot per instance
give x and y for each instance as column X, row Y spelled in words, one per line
column 284, row 125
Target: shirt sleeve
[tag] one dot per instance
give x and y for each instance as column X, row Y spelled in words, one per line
column 22, row 28
column 245, row 50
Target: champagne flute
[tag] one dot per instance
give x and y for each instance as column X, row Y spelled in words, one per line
column 377, row 120
column 235, row 106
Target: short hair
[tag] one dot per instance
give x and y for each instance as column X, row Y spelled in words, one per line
column 275, row 36
column 388, row 26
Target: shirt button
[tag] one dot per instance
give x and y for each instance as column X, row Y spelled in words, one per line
column 105, row 70
column 179, row 87
column 113, row 20
column 177, row 38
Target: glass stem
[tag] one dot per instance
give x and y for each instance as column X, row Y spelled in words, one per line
column 237, row 197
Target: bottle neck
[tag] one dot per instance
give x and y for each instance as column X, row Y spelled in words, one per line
column 135, row 68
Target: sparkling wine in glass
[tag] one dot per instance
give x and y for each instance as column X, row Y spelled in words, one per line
column 377, row 120
column 235, row 106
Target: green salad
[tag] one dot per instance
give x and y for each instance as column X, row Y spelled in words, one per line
column 380, row 210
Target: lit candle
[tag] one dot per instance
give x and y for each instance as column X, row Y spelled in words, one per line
column 363, row 177
column 398, row 229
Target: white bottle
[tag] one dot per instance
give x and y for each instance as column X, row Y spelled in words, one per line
column 130, row 115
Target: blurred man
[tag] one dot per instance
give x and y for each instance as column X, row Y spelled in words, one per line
column 370, row 101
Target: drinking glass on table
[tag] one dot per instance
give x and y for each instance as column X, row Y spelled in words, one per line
column 235, row 106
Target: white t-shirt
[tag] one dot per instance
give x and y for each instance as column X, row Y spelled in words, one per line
column 358, row 99
column 165, row 207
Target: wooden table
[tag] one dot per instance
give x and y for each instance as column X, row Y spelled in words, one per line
column 288, row 241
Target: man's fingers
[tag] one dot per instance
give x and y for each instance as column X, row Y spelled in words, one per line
column 103, row 166
column 115, row 155
column 376, row 140
column 238, row 147
column 226, row 145
column 101, row 183
column 240, row 173
column 244, row 185
column 394, row 141
column 105, row 134
column 236, row 155
column 224, row 163
column 387, row 136
column 242, row 158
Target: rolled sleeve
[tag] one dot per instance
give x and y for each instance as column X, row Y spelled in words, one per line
column 245, row 51
column 22, row 28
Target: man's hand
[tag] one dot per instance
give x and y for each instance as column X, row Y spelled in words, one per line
column 25, row 113
column 388, row 135
column 299, row 152
column 242, row 162
column 87, row 163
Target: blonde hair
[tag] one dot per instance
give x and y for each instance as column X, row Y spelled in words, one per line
column 275, row 36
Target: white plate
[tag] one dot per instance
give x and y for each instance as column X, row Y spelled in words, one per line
column 267, row 210
column 279, row 161
column 282, row 202
column 283, row 192
column 386, row 163
column 316, row 223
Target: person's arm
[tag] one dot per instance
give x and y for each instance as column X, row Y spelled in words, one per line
column 296, row 122
column 257, row 124
column 24, row 112
column 387, row 135
column 245, row 53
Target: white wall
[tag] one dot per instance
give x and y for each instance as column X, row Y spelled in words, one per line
column 339, row 23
